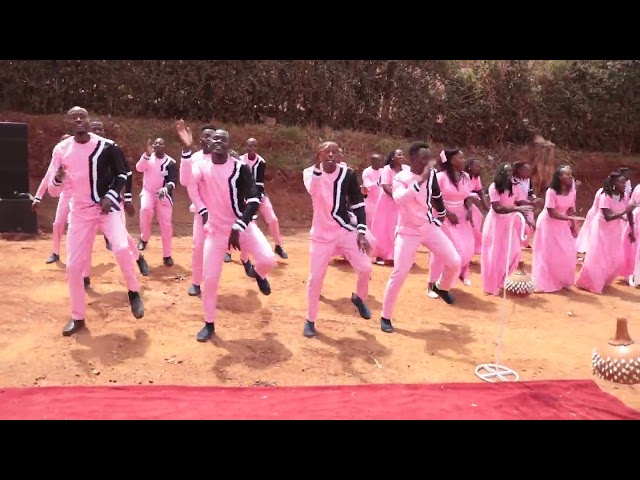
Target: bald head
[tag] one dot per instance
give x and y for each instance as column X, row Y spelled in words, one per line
column 252, row 147
column 77, row 109
column 376, row 161
column 78, row 119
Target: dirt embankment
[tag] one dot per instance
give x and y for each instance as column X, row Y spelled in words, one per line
column 288, row 150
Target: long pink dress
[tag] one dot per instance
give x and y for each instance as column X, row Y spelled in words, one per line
column 370, row 180
column 521, row 189
column 605, row 256
column 632, row 250
column 583, row 234
column 497, row 233
column 384, row 223
column 554, row 248
column 478, row 217
column 461, row 235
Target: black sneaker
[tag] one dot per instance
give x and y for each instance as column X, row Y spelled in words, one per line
column 385, row 325
column 143, row 266
column 106, row 243
column 194, row 290
column 363, row 310
column 280, row 252
column 142, row 245
column 136, row 304
column 248, row 269
column 309, row 329
column 263, row 285
column 168, row 261
column 87, row 282
column 443, row 294
column 53, row 258
column 227, row 257
column 206, row 333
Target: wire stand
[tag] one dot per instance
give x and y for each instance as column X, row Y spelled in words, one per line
column 494, row 372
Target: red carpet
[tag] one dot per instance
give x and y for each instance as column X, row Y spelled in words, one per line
column 553, row 400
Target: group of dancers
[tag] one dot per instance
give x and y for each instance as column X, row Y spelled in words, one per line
column 429, row 200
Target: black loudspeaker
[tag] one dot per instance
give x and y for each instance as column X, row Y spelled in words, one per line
column 14, row 159
column 16, row 216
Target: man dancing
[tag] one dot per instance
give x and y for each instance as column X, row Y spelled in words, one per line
column 206, row 135
column 226, row 196
column 95, row 172
column 160, row 176
column 416, row 191
column 62, row 211
column 126, row 205
column 334, row 191
column 371, row 186
column 257, row 165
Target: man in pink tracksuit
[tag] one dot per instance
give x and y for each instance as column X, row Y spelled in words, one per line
column 225, row 189
column 126, row 205
column 371, row 187
column 62, row 212
column 257, row 165
column 335, row 190
column 95, row 172
column 416, row 192
column 160, row 176
column 206, row 134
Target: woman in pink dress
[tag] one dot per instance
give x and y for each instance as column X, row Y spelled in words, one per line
column 632, row 250
column 499, row 234
column 384, row 223
column 455, row 186
column 473, row 168
column 554, row 245
column 583, row 234
column 605, row 258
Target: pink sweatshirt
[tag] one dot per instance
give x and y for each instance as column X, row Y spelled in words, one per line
column 332, row 196
column 93, row 170
column 226, row 192
column 371, row 180
column 257, row 167
column 416, row 202
column 158, row 173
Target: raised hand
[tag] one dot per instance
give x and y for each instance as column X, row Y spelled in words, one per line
column 149, row 148
column 184, row 134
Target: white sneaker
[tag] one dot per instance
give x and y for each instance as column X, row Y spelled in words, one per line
column 432, row 294
column 467, row 283
column 632, row 281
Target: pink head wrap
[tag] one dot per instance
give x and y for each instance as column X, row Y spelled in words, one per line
column 443, row 157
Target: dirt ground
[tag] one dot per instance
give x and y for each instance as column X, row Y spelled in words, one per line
column 259, row 339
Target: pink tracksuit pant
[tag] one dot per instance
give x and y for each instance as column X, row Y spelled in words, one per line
column 266, row 210
column 321, row 252
column 404, row 253
column 83, row 225
column 150, row 203
column 216, row 245
column 60, row 221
